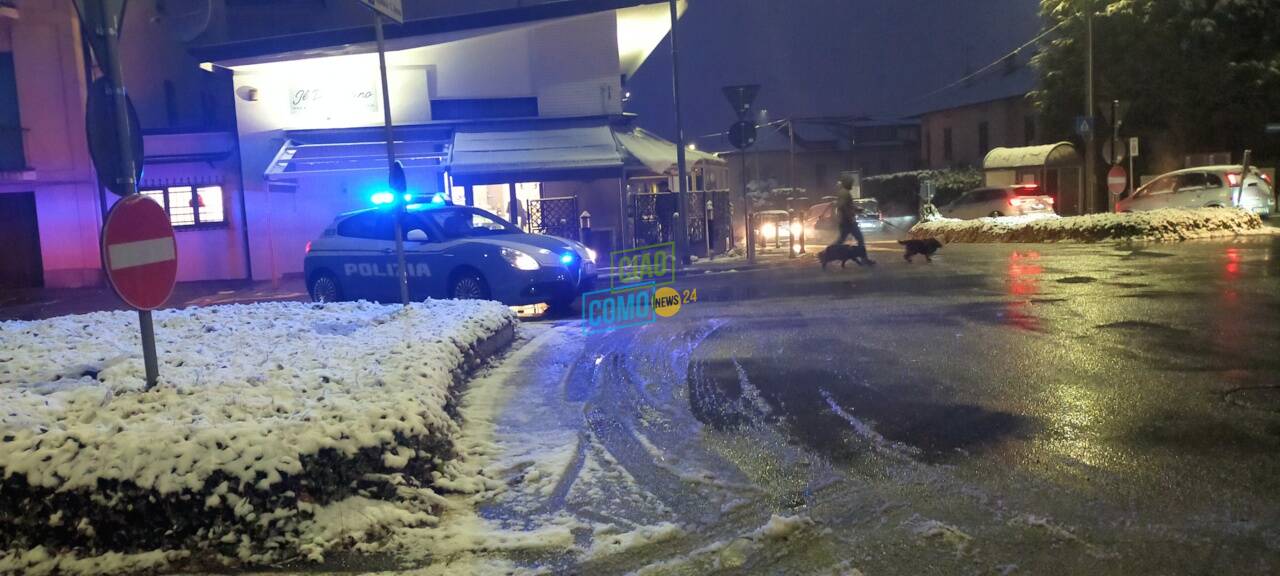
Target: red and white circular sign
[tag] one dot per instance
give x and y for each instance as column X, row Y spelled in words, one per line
column 139, row 252
column 1117, row 180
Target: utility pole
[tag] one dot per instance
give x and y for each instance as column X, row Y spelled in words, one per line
column 1091, row 141
column 682, row 227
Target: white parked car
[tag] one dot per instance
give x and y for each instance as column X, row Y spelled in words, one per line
column 1017, row 200
column 1204, row 186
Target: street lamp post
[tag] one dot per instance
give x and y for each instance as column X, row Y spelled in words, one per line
column 682, row 227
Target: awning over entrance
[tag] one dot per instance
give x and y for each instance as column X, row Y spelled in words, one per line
column 354, row 150
column 659, row 155
column 491, row 155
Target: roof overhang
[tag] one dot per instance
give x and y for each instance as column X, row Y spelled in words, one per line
column 640, row 28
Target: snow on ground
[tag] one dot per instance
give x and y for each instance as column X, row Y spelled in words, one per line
column 269, row 421
column 732, row 554
column 1170, row 224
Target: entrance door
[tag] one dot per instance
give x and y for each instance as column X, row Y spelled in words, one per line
column 20, row 236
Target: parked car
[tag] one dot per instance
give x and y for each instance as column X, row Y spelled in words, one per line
column 821, row 226
column 1205, row 186
column 450, row 252
column 1016, row 200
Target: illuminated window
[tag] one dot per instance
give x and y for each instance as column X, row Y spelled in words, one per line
column 190, row 206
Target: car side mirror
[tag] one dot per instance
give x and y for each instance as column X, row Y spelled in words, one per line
column 416, row 235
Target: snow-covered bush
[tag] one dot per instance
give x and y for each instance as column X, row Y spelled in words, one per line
column 1170, row 224
column 263, row 413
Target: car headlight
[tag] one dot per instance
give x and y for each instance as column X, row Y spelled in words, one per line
column 591, row 255
column 519, row 260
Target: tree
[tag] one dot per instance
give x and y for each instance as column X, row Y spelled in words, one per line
column 1199, row 75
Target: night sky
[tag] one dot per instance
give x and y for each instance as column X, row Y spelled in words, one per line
column 823, row 57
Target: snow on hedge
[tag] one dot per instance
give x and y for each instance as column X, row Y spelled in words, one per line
column 1170, row 224
column 263, row 414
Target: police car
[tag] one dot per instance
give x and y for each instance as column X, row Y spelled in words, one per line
column 450, row 252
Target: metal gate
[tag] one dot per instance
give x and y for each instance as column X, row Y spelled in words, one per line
column 553, row 216
column 654, row 219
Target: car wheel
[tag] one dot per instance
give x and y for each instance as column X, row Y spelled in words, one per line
column 324, row 288
column 468, row 285
column 995, row 214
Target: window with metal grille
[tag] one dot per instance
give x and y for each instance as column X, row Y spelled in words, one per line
column 190, row 206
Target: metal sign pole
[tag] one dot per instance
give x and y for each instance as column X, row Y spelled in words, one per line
column 1133, row 151
column 746, row 212
column 395, row 177
column 108, row 27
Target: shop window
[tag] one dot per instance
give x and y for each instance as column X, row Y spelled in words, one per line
column 984, row 138
column 1029, row 130
column 189, row 206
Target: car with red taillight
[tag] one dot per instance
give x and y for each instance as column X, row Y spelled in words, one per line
column 1016, row 200
column 1205, row 187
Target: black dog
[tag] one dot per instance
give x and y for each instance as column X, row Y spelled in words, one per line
column 927, row 247
column 844, row 253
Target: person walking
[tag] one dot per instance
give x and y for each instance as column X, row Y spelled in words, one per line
column 847, row 212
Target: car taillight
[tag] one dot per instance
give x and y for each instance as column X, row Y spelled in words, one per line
column 1233, row 179
column 1265, row 177
column 308, row 248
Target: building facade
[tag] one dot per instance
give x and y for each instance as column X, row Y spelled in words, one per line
column 51, row 202
column 253, row 145
column 517, row 111
column 961, row 124
column 961, row 137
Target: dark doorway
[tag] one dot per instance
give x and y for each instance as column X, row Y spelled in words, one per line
column 20, row 235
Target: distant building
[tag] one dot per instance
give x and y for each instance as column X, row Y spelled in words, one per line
column 821, row 149
column 961, row 125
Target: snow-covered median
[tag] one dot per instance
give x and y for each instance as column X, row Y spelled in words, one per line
column 1170, row 224
column 265, row 413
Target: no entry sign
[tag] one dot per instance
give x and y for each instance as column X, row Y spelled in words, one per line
column 1117, row 180
column 139, row 252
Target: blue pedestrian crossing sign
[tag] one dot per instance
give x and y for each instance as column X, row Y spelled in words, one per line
column 1084, row 125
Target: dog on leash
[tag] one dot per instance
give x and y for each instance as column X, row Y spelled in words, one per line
column 843, row 253
column 926, row 248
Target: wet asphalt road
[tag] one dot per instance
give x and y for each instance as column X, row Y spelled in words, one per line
column 1008, row 409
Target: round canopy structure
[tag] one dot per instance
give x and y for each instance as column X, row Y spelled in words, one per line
column 1048, row 155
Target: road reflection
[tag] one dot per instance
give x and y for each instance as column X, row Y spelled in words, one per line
column 1023, row 282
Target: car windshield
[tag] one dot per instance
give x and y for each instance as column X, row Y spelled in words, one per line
column 463, row 222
